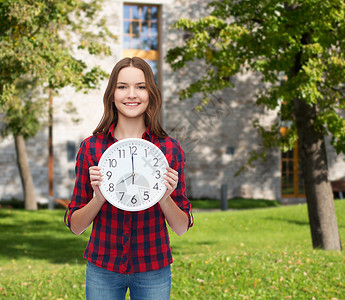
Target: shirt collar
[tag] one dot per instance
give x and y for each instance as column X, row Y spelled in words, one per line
column 111, row 131
column 146, row 135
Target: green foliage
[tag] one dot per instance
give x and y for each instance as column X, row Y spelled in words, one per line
column 22, row 117
column 249, row 254
column 37, row 39
column 297, row 47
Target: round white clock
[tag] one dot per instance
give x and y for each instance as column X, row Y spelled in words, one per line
column 132, row 171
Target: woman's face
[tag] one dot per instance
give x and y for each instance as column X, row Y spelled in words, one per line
column 131, row 96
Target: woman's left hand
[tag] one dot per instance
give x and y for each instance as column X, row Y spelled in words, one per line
column 171, row 180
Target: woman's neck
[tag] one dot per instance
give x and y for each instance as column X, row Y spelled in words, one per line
column 129, row 129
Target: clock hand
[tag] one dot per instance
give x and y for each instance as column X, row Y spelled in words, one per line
column 133, row 174
column 132, row 163
column 123, row 180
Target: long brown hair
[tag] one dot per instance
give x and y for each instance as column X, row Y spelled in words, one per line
column 110, row 115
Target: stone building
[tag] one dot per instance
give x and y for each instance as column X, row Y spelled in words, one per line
column 217, row 140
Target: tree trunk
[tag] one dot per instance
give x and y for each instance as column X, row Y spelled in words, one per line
column 313, row 160
column 25, row 174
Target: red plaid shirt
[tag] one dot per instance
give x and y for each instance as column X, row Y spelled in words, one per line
column 122, row 241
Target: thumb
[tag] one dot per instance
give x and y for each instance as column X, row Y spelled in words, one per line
column 99, row 194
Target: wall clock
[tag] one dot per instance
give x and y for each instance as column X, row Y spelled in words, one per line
column 132, row 171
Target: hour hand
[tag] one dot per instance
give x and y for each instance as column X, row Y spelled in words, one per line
column 123, row 180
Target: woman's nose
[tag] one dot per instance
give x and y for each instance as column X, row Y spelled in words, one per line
column 132, row 93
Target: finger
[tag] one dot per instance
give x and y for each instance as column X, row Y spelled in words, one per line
column 95, row 168
column 172, row 170
column 171, row 178
column 172, row 175
column 95, row 178
column 170, row 183
column 96, row 182
column 95, row 172
column 168, row 186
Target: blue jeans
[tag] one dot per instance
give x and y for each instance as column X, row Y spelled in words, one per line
column 102, row 284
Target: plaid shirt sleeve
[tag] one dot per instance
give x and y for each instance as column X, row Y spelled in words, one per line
column 176, row 158
column 82, row 191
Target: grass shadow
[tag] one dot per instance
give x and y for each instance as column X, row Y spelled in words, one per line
column 290, row 221
column 234, row 203
column 40, row 239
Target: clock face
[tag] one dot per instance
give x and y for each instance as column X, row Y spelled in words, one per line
column 132, row 171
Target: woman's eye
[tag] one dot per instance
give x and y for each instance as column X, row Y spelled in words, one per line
column 121, row 87
column 141, row 87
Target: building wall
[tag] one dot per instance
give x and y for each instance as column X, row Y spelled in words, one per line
column 217, row 140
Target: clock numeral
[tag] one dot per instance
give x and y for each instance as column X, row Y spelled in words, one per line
column 134, row 200
column 111, row 187
column 156, row 162
column 155, row 187
column 122, row 194
column 133, row 150
column 146, row 152
column 109, row 174
column 158, row 174
column 146, row 195
column 122, row 153
column 112, row 163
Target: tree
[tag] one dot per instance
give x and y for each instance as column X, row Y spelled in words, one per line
column 37, row 54
column 300, row 41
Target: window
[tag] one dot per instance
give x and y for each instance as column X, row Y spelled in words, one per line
column 141, row 34
column 292, row 184
column 291, row 175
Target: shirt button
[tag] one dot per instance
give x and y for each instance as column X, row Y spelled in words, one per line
column 125, row 238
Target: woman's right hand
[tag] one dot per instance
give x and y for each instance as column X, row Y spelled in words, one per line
column 96, row 181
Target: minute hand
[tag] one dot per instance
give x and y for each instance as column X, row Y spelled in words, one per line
column 133, row 174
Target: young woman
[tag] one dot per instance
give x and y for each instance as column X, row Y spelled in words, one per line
column 128, row 249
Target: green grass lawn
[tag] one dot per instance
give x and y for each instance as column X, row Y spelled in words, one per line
column 248, row 254
column 234, row 203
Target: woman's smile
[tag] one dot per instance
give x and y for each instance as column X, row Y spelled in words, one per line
column 132, row 103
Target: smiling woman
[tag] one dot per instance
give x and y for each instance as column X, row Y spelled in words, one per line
column 151, row 118
column 127, row 245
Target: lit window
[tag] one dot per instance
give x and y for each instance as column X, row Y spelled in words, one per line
column 141, row 34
